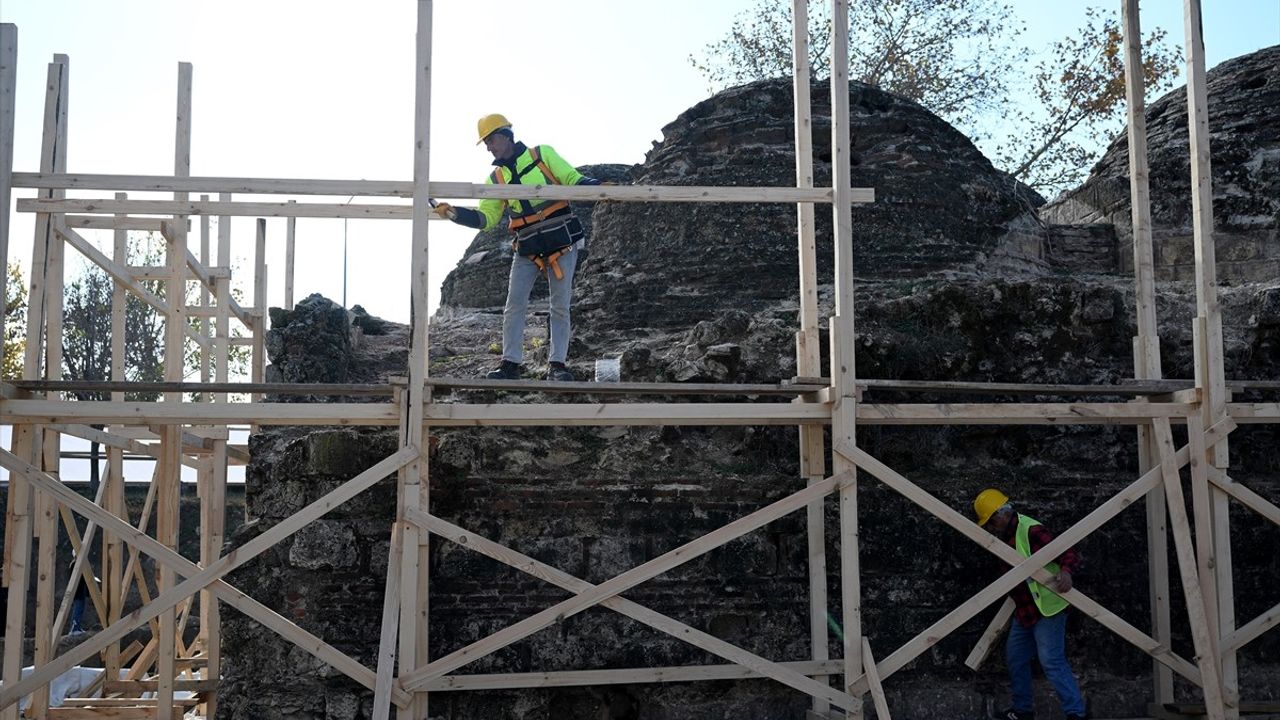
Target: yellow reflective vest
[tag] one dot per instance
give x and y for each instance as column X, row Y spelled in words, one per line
column 538, row 165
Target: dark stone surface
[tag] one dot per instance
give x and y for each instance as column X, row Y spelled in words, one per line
column 1244, row 136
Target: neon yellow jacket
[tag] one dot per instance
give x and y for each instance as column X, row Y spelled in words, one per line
column 525, row 171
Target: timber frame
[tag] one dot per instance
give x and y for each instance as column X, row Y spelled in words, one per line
column 178, row 432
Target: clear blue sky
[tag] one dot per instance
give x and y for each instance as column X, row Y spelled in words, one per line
column 325, row 89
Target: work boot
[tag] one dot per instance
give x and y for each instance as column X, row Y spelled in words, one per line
column 506, row 371
column 1012, row 714
column 558, row 372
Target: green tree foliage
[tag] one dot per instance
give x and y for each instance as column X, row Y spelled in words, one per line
column 959, row 60
column 15, row 323
column 1079, row 87
column 952, row 56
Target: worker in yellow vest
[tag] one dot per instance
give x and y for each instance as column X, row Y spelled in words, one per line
column 548, row 240
column 1039, row 625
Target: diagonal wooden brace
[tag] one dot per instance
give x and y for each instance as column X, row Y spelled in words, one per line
column 197, row 577
column 633, row 610
column 513, row 633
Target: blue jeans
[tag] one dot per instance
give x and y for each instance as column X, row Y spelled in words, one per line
column 1047, row 639
column 523, row 274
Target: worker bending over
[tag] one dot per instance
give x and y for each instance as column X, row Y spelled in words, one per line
column 548, row 240
column 1039, row 626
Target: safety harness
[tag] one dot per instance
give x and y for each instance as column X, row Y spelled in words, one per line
column 525, row 221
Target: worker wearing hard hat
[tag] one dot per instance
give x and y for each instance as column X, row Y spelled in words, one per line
column 548, row 240
column 1039, row 626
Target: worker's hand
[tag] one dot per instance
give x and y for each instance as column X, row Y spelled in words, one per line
column 1061, row 582
column 445, row 211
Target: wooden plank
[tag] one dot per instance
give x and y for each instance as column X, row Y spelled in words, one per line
column 1247, row 497
column 1251, row 413
column 197, row 577
column 1206, row 658
column 222, row 291
column 1139, row 178
column 115, row 441
column 8, row 94
column 1202, row 518
column 808, row 359
column 117, row 222
column 290, row 240
column 584, row 414
column 404, row 189
column 756, row 665
column 873, row 682
column 627, row 676
column 620, row 583
column 987, row 641
column 1252, row 630
column 390, row 623
column 213, row 511
column 1209, row 355
column 258, row 362
column 18, row 563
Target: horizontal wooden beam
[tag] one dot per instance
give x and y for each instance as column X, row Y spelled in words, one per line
column 98, row 222
column 1254, row 413
column 584, row 414
column 570, row 678
column 452, row 190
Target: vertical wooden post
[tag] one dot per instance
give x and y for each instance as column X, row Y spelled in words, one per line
column 843, row 409
column 206, row 349
column 258, row 368
column 414, row 476
column 1146, row 346
column 17, row 570
column 213, row 510
column 1210, row 366
column 27, row 439
column 291, row 231
column 112, row 547
column 8, row 93
column 222, row 341
column 808, row 359
column 46, row 520
column 169, row 475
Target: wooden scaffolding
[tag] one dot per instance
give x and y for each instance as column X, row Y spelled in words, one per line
column 181, row 433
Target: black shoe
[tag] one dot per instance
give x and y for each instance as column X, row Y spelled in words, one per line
column 1077, row 717
column 1012, row 714
column 506, row 371
column 558, row 372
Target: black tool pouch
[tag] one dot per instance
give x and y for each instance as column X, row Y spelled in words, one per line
column 538, row 241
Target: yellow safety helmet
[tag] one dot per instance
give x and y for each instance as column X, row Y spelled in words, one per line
column 987, row 503
column 490, row 123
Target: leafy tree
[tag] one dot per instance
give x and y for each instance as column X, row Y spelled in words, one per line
column 15, row 323
column 1080, row 89
column 957, row 59
column 952, row 56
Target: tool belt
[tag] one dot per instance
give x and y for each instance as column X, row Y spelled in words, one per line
column 545, row 242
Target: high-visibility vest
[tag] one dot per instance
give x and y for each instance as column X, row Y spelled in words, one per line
column 1049, row 602
column 527, row 212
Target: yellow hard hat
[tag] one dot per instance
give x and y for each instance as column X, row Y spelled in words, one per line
column 987, row 503
column 489, row 123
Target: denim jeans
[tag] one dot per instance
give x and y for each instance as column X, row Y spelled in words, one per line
column 1046, row 639
column 523, row 274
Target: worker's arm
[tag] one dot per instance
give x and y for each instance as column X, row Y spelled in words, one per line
column 486, row 218
column 564, row 172
column 1068, row 562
